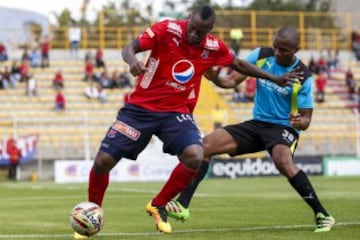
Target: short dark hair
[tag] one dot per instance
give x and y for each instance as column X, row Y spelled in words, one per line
column 290, row 33
column 205, row 12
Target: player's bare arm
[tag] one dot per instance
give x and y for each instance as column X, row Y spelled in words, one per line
column 301, row 120
column 249, row 69
column 224, row 80
column 128, row 54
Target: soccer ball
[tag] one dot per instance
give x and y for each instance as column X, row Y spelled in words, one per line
column 87, row 218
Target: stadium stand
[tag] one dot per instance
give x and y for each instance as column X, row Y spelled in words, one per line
column 60, row 132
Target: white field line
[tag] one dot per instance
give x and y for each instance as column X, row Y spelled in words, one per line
column 131, row 190
column 145, row 234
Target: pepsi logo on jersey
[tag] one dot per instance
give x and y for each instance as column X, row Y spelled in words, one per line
column 183, row 71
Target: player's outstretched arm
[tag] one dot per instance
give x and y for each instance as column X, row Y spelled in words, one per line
column 249, row 69
column 222, row 80
column 128, row 54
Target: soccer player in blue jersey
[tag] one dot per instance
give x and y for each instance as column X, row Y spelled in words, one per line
column 279, row 114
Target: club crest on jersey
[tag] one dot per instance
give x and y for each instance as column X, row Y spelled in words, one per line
column 127, row 130
column 183, row 71
column 205, row 54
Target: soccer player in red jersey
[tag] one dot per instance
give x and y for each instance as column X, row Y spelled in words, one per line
column 163, row 101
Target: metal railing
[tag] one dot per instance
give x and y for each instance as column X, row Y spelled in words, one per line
column 318, row 30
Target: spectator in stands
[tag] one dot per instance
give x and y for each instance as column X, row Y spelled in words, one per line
column 31, row 86
column 14, row 158
column 105, row 80
column 358, row 99
column 35, row 59
column 6, row 79
column 125, row 80
column 25, row 55
column 60, row 102
column 348, row 76
column 15, row 73
column 250, row 89
column 355, row 44
column 95, row 91
column 333, row 59
column 115, row 79
column 350, row 84
column 99, row 58
column 74, row 39
column 89, row 71
column 58, row 81
column 313, row 66
column 102, row 95
column 92, row 91
column 88, row 56
column 24, row 70
column 3, row 53
column 3, row 85
column 352, row 89
column 45, row 51
column 322, row 65
column 320, row 83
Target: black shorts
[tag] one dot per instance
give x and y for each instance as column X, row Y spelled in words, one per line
column 134, row 127
column 254, row 136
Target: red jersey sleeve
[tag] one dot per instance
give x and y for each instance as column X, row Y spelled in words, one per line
column 226, row 56
column 151, row 36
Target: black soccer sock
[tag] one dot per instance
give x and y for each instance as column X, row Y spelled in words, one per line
column 186, row 196
column 302, row 185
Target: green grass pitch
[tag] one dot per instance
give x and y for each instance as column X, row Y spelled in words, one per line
column 249, row 208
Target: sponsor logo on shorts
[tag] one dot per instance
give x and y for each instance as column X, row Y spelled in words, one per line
column 125, row 129
column 184, row 117
column 111, row 133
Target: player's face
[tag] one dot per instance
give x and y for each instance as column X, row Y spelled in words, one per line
column 197, row 29
column 284, row 50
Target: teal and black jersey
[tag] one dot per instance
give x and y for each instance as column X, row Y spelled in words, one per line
column 274, row 103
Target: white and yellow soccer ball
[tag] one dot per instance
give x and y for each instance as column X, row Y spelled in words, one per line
column 87, row 218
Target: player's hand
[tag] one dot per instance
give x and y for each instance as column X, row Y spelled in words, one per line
column 297, row 121
column 290, row 78
column 213, row 73
column 137, row 68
